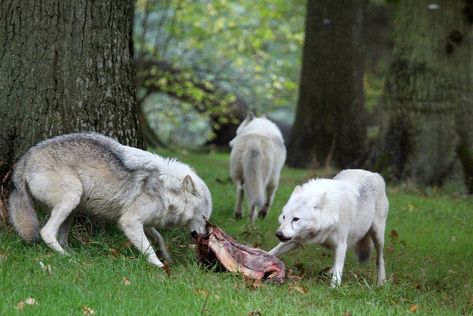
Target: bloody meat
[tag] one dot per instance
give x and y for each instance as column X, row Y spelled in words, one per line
column 222, row 250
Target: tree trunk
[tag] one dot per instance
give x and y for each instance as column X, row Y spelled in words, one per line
column 428, row 92
column 65, row 66
column 330, row 124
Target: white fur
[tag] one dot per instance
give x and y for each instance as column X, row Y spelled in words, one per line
column 257, row 157
column 93, row 173
column 349, row 210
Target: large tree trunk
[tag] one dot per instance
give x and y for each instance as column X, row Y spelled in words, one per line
column 428, row 92
column 65, row 66
column 330, row 124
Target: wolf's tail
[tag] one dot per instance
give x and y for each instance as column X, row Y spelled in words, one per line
column 253, row 175
column 21, row 211
column 363, row 248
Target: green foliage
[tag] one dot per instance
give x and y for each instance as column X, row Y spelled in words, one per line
column 251, row 48
column 427, row 254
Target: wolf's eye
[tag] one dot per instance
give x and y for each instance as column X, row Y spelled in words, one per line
column 295, row 219
column 283, row 217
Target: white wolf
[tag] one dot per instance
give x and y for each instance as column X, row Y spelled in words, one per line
column 93, row 173
column 348, row 210
column 257, row 157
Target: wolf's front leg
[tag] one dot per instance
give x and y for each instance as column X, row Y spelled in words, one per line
column 134, row 230
column 283, row 247
column 339, row 261
column 153, row 232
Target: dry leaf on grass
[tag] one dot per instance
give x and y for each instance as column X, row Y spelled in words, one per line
column 167, row 269
column 87, row 310
column 114, row 252
column 126, row 281
column 254, row 313
column 298, row 288
column 3, row 256
column 413, row 308
column 201, row 292
column 45, row 267
column 27, row 301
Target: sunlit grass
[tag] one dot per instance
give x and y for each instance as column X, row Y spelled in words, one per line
column 428, row 257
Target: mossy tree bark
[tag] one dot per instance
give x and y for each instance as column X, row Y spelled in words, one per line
column 65, row 66
column 428, row 92
column 330, row 124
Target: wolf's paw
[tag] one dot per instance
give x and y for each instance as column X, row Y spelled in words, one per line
column 238, row 216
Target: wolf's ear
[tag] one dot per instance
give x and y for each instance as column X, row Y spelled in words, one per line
column 321, row 201
column 188, row 185
column 250, row 116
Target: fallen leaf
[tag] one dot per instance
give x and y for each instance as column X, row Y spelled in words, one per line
column 87, row 310
column 390, row 249
column 20, row 305
column 30, row 301
column 413, row 308
column 394, row 235
column 254, row 313
column 127, row 244
column 27, row 301
column 126, row 281
column 3, row 256
column 298, row 288
column 167, row 269
column 347, row 314
column 201, row 292
column 256, row 284
column 45, row 267
column 114, row 252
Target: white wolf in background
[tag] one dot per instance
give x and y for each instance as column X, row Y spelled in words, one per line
column 348, row 210
column 93, row 173
column 257, row 157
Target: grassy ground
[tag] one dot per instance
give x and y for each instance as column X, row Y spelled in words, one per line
column 428, row 256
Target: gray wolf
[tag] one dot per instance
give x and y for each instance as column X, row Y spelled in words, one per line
column 349, row 210
column 257, row 157
column 94, row 174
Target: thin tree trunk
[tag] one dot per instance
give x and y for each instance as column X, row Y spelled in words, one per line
column 330, row 124
column 65, row 66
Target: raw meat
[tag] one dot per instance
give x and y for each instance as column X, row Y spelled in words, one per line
column 234, row 257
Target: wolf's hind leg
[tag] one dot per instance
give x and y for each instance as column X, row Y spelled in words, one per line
column 253, row 214
column 270, row 191
column 59, row 214
column 134, row 230
column 63, row 233
column 239, row 201
column 153, row 232
column 377, row 234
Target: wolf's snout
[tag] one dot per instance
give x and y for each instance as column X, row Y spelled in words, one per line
column 280, row 236
column 193, row 234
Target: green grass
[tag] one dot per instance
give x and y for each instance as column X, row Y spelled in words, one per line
column 428, row 259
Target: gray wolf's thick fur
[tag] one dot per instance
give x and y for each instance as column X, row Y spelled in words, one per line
column 95, row 174
column 257, row 157
column 349, row 210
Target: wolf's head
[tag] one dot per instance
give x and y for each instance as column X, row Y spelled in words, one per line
column 308, row 215
column 198, row 203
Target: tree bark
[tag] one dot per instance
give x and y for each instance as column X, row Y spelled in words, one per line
column 428, row 92
column 65, row 66
column 330, row 124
